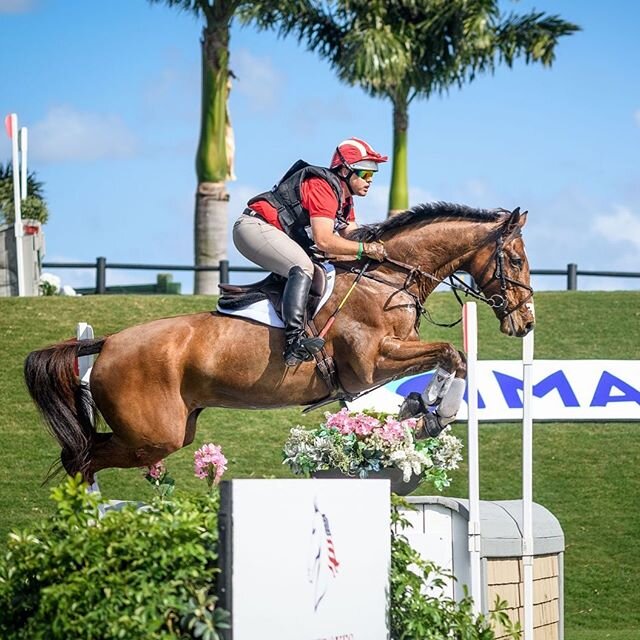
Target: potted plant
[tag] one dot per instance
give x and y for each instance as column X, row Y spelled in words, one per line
column 372, row 445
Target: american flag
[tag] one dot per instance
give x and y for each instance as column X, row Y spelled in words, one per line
column 331, row 552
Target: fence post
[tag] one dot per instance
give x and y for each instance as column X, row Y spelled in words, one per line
column 572, row 277
column 101, row 275
column 223, row 270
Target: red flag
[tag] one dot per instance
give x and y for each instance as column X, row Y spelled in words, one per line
column 7, row 125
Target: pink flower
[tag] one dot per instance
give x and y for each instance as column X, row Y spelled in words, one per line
column 364, row 425
column 346, row 423
column 157, row 470
column 209, row 463
column 392, row 430
column 338, row 420
column 412, row 423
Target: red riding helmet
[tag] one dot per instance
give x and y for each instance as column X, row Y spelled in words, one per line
column 355, row 153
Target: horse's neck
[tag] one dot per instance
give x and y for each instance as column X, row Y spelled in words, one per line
column 439, row 248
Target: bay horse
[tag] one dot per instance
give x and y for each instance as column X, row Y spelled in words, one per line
column 151, row 381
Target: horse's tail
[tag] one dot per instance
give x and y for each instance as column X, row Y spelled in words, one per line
column 65, row 404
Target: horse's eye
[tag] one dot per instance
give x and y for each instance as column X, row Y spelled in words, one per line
column 515, row 262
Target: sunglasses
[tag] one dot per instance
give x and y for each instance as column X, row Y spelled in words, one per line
column 365, row 174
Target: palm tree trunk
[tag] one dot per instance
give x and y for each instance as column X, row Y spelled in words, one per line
column 212, row 163
column 399, row 191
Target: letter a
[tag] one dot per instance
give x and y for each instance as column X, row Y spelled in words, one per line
column 602, row 395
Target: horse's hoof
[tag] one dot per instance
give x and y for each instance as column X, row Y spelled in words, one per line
column 413, row 406
column 432, row 427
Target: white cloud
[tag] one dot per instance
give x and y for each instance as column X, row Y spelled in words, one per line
column 66, row 134
column 619, row 227
column 257, row 79
column 16, row 6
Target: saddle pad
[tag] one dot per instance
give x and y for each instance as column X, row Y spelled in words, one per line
column 264, row 312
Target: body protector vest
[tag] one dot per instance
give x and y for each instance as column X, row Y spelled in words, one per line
column 285, row 198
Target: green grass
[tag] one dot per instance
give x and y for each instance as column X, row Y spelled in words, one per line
column 584, row 473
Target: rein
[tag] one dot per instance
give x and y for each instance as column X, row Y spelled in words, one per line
column 497, row 301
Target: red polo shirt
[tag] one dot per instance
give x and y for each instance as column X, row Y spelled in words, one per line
column 316, row 196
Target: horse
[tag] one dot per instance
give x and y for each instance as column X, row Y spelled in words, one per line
column 150, row 382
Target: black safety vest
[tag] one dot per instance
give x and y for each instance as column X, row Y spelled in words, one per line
column 285, row 199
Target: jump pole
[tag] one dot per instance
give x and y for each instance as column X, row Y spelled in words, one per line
column 470, row 334
column 84, row 331
column 11, row 123
column 470, row 331
column 527, row 483
column 24, row 149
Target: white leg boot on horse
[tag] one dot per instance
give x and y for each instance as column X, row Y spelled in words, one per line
column 437, row 387
column 298, row 346
column 415, row 405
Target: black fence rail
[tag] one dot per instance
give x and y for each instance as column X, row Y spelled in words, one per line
column 101, row 265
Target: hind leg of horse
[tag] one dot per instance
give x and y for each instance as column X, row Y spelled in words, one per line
column 159, row 436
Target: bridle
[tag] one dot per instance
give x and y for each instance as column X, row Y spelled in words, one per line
column 497, row 301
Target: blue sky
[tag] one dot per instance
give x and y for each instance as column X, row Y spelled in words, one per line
column 110, row 93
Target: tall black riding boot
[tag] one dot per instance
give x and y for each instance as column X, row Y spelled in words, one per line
column 298, row 347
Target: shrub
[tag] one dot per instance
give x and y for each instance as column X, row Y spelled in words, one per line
column 131, row 574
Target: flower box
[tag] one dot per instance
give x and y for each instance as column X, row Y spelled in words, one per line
column 372, row 445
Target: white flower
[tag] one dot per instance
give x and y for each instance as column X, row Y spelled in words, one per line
column 449, row 452
column 51, row 280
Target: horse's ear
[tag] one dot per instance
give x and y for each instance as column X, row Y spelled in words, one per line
column 517, row 219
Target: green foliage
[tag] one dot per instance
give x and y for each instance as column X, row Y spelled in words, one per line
column 579, row 468
column 146, row 573
column 402, row 49
column 417, row 615
column 33, row 207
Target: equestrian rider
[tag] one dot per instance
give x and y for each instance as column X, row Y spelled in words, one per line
column 309, row 211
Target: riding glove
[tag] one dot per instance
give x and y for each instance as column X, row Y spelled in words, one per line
column 375, row 250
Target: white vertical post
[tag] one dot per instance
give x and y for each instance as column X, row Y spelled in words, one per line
column 24, row 148
column 527, row 482
column 84, row 331
column 470, row 329
column 17, row 224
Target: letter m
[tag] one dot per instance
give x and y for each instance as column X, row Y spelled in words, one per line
column 511, row 388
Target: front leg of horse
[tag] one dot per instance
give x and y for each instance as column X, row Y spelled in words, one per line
column 410, row 357
column 446, row 388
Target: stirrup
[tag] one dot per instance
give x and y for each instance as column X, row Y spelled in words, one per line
column 302, row 350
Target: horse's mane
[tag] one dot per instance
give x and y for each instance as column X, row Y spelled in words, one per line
column 427, row 213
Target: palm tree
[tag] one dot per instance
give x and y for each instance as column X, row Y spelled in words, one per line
column 407, row 49
column 214, row 156
column 33, row 207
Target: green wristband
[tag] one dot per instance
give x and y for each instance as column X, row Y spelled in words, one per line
column 360, row 250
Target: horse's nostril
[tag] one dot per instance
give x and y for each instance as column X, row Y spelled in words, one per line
column 529, row 326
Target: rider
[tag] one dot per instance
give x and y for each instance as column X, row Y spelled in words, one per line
column 309, row 211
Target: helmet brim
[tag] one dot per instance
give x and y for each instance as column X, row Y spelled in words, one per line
column 367, row 165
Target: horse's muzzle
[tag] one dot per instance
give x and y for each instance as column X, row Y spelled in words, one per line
column 516, row 327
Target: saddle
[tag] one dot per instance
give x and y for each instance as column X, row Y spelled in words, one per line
column 234, row 297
